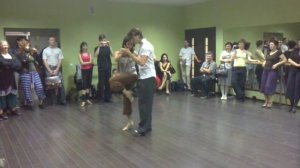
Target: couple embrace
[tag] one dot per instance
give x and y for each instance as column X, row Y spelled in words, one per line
column 127, row 76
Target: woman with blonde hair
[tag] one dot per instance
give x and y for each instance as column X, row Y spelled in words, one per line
column 8, row 88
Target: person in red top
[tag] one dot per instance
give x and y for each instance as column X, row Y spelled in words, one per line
column 86, row 63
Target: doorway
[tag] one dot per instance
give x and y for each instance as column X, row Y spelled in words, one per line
column 202, row 40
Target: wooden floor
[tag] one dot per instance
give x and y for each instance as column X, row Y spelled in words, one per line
column 187, row 132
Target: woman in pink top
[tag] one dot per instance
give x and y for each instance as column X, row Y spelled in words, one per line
column 86, row 62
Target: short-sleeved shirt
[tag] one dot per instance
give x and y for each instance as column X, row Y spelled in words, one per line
column 272, row 59
column 52, row 55
column 211, row 66
column 147, row 70
column 287, row 54
column 226, row 55
column 284, row 48
column 187, row 55
column 295, row 56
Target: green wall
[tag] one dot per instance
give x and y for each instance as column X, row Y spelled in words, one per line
column 162, row 25
column 227, row 14
column 235, row 19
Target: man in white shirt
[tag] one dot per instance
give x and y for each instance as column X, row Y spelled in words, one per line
column 186, row 55
column 146, row 83
column 52, row 58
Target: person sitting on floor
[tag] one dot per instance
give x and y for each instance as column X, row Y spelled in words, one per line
column 205, row 80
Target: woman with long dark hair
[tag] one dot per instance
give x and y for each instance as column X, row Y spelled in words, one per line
column 124, row 79
column 165, row 73
column 270, row 74
column 86, row 63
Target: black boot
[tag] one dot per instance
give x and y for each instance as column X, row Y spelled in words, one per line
column 291, row 108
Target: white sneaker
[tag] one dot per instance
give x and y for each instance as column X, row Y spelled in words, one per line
column 222, row 97
column 225, row 98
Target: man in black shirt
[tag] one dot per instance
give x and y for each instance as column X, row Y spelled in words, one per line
column 103, row 52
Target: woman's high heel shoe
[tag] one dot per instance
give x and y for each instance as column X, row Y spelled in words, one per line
column 128, row 126
column 264, row 105
column 89, row 102
column 82, row 104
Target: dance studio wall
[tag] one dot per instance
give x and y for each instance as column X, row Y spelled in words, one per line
column 162, row 25
column 230, row 15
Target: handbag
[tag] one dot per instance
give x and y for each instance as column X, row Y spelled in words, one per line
column 172, row 70
column 52, row 80
column 221, row 71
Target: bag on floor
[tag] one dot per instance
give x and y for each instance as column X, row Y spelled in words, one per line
column 177, row 86
column 180, row 86
column 173, row 86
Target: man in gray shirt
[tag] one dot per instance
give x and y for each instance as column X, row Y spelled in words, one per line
column 207, row 77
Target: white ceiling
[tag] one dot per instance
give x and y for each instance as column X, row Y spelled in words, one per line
column 162, row 2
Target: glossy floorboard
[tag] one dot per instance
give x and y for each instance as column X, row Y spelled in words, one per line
column 187, row 132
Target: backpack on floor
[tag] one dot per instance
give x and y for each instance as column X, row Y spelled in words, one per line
column 180, row 86
column 173, row 86
column 177, row 86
